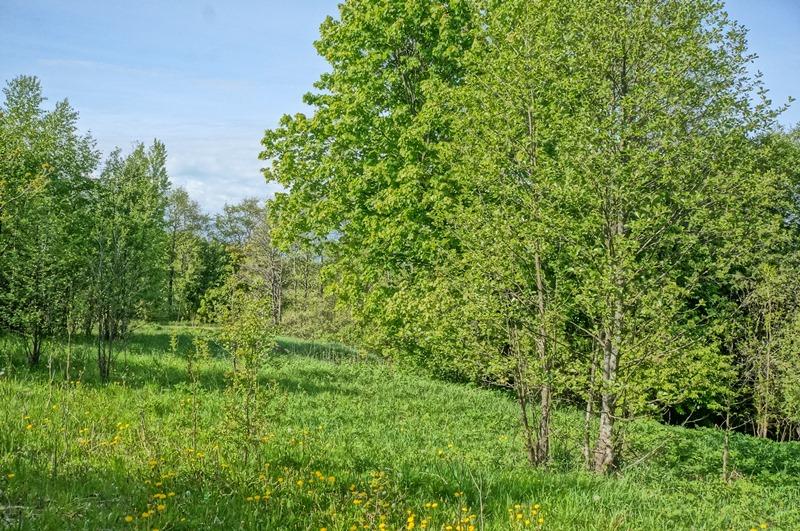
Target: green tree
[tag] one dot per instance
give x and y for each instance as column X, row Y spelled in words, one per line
column 44, row 182
column 130, row 244
column 186, row 227
column 363, row 170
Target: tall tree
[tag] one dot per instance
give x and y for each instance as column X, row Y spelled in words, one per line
column 186, row 227
column 44, row 179
column 130, row 244
column 363, row 169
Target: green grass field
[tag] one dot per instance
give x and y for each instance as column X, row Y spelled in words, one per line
column 340, row 443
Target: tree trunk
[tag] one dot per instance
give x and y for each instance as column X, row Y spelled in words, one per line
column 604, row 454
column 543, row 438
column 587, row 418
column 35, row 350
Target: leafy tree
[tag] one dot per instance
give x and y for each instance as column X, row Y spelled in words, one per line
column 130, row 244
column 363, row 170
column 186, row 226
column 44, row 181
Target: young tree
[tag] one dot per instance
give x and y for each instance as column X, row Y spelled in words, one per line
column 44, row 179
column 130, row 244
column 186, row 227
column 659, row 136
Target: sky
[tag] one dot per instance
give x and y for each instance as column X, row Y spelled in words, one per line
column 208, row 77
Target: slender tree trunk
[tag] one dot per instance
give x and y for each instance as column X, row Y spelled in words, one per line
column 604, row 454
column 589, row 412
column 605, row 450
column 522, row 393
column 764, row 389
column 543, row 438
column 171, row 276
column 35, row 350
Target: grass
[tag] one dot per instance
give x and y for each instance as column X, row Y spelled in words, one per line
column 336, row 442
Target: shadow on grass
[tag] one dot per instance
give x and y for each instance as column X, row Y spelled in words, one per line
column 142, row 360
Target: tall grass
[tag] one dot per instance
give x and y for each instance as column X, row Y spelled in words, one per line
column 349, row 444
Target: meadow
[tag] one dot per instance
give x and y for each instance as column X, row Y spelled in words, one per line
column 339, row 442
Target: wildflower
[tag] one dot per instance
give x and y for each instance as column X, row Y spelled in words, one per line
column 763, row 525
column 161, row 506
column 10, row 475
column 129, row 518
column 540, row 521
column 434, row 505
column 29, row 427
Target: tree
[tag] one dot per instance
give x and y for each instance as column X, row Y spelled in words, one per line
column 659, row 134
column 237, row 222
column 44, row 181
column 186, row 226
column 130, row 244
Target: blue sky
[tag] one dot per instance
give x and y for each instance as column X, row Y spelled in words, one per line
column 207, row 77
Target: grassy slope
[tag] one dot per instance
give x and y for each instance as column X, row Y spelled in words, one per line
column 351, row 443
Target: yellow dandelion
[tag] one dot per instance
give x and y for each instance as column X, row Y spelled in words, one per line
column 161, row 507
column 129, row 518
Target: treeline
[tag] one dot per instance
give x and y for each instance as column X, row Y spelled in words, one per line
column 587, row 202
column 89, row 248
